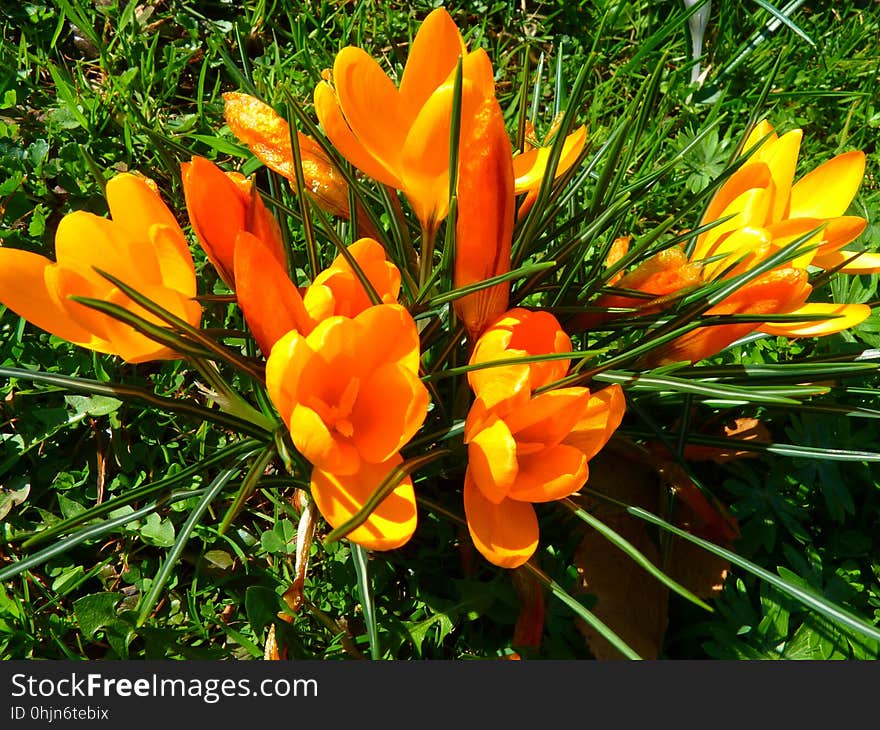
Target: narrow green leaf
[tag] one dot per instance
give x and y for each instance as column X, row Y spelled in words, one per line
column 365, row 594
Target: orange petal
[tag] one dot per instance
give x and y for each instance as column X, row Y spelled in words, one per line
column 424, row 160
column 486, row 204
column 344, row 140
column 433, row 55
column 134, row 347
column 371, row 105
column 23, row 288
column 271, row 304
column 217, row 211
column 744, row 248
column 506, row 534
column 290, row 356
column 550, row 474
column 390, row 408
column 840, row 231
column 492, row 461
column 842, row 316
column 339, row 498
column 516, row 333
column 828, row 190
column 390, row 335
column 601, row 418
column 862, row 261
column 316, row 441
column 530, row 167
column 777, row 292
column 349, row 296
column 549, row 417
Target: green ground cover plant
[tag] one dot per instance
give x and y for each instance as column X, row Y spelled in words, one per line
column 147, row 522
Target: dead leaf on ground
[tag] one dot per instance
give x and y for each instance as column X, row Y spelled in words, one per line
column 628, row 599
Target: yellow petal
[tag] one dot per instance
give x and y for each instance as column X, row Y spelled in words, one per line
column 290, row 356
column 759, row 131
column 23, row 288
column 492, row 460
column 135, row 206
column 84, row 241
column 863, row 263
column 433, row 55
column 344, row 140
column 781, row 157
column 529, row 167
column 751, row 208
column 506, row 534
column 175, row 262
column 371, row 105
column 843, row 316
column 828, row 190
column 339, row 498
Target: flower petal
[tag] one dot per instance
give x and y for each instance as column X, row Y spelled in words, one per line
column 433, row 55
column 828, row 190
column 530, row 167
column 863, row 262
column 781, row 157
column 492, row 461
column 23, row 288
column 176, row 269
column 326, row 449
column 841, row 317
column 271, row 304
column 217, row 210
column 344, row 140
column 339, row 498
column 390, row 336
column 390, row 408
column 371, row 105
column 601, row 418
column 548, row 418
column 550, row 474
column 506, row 534
column 486, row 204
column 135, row 206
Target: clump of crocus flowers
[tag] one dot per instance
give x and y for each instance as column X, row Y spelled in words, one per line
column 348, row 350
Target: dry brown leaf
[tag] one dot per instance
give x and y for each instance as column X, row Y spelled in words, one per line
column 629, row 600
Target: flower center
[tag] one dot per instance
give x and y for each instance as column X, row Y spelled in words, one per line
column 337, row 417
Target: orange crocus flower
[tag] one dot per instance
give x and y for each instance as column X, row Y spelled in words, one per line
column 141, row 244
column 267, row 135
column 484, row 225
column 762, row 194
column 350, row 394
column 382, row 129
column 220, row 205
column 273, row 305
column 523, row 447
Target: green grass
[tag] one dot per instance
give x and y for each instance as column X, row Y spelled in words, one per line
column 138, row 87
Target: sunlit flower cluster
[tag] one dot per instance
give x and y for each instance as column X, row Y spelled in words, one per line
column 347, row 345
